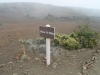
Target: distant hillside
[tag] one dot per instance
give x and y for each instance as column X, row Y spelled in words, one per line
column 42, row 10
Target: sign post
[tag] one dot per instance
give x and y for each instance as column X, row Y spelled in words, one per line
column 48, row 49
column 49, row 33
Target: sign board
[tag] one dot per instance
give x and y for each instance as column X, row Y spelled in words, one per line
column 48, row 32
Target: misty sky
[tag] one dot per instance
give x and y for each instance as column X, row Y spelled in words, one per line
column 95, row 4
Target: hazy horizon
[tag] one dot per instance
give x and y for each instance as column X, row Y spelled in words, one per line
column 92, row 4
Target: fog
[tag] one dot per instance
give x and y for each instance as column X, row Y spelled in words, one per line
column 93, row 4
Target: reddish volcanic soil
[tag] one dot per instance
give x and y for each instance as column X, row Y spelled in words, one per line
column 70, row 62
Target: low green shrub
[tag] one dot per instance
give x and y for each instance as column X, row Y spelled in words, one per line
column 29, row 41
column 65, row 41
column 41, row 40
column 84, row 37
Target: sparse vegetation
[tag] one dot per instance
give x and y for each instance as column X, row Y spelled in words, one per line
column 66, row 41
column 32, row 48
column 24, row 55
column 30, row 17
column 51, row 17
column 41, row 40
column 1, row 26
column 22, row 21
column 29, row 41
column 85, row 37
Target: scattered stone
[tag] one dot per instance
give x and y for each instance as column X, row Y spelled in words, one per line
column 82, row 50
column 43, row 62
column 94, row 58
column 21, row 66
column 29, row 58
column 79, row 73
column 98, row 51
column 10, row 62
column 18, row 55
column 15, row 74
column 95, row 54
column 54, row 65
column 59, row 63
column 11, row 68
column 78, row 50
column 25, row 73
column 2, row 65
column 89, row 66
column 70, row 72
column 37, row 59
column 88, row 61
column 73, row 56
column 26, row 70
column 1, row 53
column 84, row 72
column 84, row 67
column 58, row 59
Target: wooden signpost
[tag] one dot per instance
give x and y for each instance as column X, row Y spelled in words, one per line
column 49, row 33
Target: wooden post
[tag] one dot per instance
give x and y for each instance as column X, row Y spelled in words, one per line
column 48, row 49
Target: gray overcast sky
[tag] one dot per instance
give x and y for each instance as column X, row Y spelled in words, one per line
column 78, row 3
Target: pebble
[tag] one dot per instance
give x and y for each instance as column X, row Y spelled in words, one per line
column 58, row 59
column 15, row 74
column 94, row 58
column 98, row 51
column 26, row 70
column 84, row 67
column 29, row 58
column 1, row 53
column 89, row 66
column 21, row 66
column 78, row 50
column 70, row 72
column 79, row 73
column 84, row 72
column 54, row 65
column 2, row 65
column 10, row 62
column 11, row 68
column 37, row 59
column 25, row 73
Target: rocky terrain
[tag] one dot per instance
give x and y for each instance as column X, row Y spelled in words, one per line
column 21, row 24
